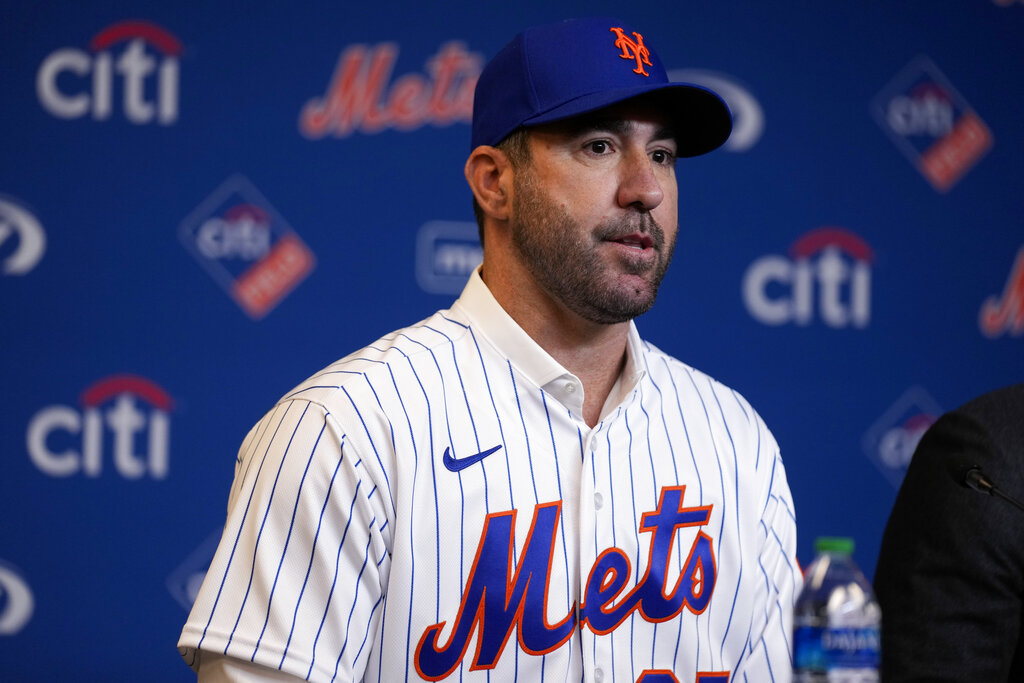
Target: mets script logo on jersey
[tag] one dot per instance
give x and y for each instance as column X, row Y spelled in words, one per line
column 358, row 97
column 631, row 49
column 499, row 597
column 1005, row 314
column 112, row 421
column 932, row 124
column 891, row 440
column 246, row 246
column 16, row 601
column 827, row 274
column 72, row 83
column 22, row 240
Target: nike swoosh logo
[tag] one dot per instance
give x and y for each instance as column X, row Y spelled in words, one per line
column 462, row 463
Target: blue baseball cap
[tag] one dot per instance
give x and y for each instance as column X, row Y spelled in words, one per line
column 553, row 72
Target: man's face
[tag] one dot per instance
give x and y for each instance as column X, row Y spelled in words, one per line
column 594, row 215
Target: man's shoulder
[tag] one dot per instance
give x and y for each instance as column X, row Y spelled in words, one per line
column 684, row 379
column 360, row 370
column 661, row 363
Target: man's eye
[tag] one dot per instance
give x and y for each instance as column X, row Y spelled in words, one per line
column 661, row 156
column 598, row 146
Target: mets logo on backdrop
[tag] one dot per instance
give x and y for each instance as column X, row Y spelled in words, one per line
column 891, row 440
column 826, row 276
column 932, row 124
column 16, row 601
column 1004, row 314
column 122, row 418
column 137, row 59
column 22, row 239
column 246, row 246
column 361, row 96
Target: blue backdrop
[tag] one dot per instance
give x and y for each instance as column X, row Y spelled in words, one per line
column 201, row 204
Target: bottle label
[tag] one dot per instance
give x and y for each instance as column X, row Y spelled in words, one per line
column 828, row 649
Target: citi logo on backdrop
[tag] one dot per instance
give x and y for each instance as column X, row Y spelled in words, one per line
column 932, row 124
column 137, row 58
column 361, row 97
column 890, row 442
column 22, row 238
column 825, row 277
column 123, row 422
column 246, row 246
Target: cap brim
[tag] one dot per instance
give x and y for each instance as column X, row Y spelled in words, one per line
column 701, row 119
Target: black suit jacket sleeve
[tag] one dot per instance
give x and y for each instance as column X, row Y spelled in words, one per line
column 950, row 574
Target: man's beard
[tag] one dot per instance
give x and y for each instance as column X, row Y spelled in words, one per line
column 565, row 260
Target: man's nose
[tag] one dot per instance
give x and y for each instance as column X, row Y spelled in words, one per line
column 639, row 185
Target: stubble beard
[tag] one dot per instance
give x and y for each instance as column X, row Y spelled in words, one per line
column 565, row 260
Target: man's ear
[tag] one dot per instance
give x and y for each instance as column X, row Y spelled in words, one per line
column 489, row 175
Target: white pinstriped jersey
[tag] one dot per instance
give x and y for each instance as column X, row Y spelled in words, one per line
column 434, row 506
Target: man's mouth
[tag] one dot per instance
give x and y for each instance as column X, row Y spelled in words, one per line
column 635, row 240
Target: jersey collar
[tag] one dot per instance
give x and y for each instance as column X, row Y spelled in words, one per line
column 487, row 316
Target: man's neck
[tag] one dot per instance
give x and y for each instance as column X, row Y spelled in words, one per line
column 593, row 352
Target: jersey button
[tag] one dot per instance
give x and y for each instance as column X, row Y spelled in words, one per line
column 598, row 504
column 570, row 387
column 598, row 675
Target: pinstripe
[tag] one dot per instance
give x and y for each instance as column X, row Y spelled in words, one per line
column 369, row 437
column 721, row 475
column 526, row 431
column 675, row 472
column 366, row 633
column 558, row 473
column 288, row 538
column 334, row 581
column 234, row 546
column 259, row 536
column 412, row 522
column 497, row 415
column 735, row 508
column 476, row 439
column 433, row 462
column 636, row 519
column 312, row 555
column 355, row 599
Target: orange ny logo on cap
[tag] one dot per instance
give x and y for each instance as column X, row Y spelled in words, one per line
column 633, row 50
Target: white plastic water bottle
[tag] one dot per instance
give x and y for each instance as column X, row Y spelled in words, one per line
column 836, row 622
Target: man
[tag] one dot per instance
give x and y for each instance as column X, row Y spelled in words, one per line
column 519, row 488
column 950, row 574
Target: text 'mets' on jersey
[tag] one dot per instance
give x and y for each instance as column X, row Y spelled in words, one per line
column 434, row 507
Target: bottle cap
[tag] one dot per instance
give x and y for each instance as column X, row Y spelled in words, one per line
column 834, row 544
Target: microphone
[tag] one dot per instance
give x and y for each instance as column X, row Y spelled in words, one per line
column 972, row 477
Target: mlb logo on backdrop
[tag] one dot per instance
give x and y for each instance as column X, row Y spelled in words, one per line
column 16, row 600
column 246, row 246
column 447, row 253
column 22, row 238
column 891, row 440
column 932, row 124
